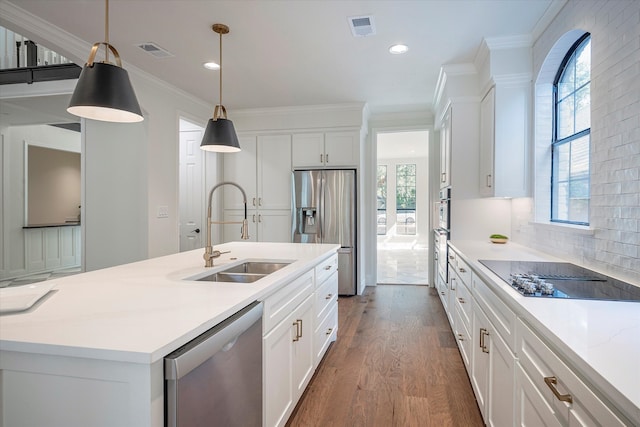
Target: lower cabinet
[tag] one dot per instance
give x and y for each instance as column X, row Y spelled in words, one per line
column 288, row 363
column 550, row 393
column 51, row 248
column 492, row 372
column 299, row 323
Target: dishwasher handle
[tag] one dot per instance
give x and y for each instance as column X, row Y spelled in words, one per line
column 196, row 352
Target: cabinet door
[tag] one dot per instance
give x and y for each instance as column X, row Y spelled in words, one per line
column 274, row 172
column 531, row 407
column 308, row 150
column 480, row 359
column 501, row 381
column 68, row 249
column 277, row 390
column 52, row 248
column 273, row 226
column 341, row 149
column 445, row 150
column 303, row 359
column 240, row 168
column 35, row 249
column 487, row 143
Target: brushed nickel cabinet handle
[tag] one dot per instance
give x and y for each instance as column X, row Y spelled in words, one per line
column 483, row 346
column 328, row 296
column 328, row 267
column 254, row 218
column 462, row 301
column 453, row 284
column 442, row 293
column 551, row 383
column 462, row 270
column 259, row 217
column 329, row 331
column 460, row 337
column 254, row 201
column 300, row 320
column 321, row 158
column 259, row 201
column 297, row 325
column 326, row 158
column 489, row 183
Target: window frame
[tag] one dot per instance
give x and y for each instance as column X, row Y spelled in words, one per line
column 555, row 142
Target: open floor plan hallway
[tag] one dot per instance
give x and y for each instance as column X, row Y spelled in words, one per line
column 395, row 363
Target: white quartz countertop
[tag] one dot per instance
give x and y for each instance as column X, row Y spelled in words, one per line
column 142, row 311
column 601, row 339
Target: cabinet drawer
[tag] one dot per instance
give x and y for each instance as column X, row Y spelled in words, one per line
column 539, row 362
column 502, row 317
column 280, row 304
column 463, row 337
column 464, row 302
column 325, row 296
column 326, row 332
column 325, row 269
column 463, row 270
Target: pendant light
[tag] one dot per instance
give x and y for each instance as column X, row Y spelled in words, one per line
column 220, row 135
column 103, row 91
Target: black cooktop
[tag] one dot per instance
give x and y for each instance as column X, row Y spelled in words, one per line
column 561, row 280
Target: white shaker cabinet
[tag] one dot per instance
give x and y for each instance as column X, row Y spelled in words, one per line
column 445, row 150
column 329, row 149
column 504, row 132
column 550, row 390
column 263, row 170
column 288, row 347
column 492, row 372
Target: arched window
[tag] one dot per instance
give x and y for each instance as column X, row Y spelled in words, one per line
column 571, row 136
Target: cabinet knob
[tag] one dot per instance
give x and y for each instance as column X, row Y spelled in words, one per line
column 551, row 383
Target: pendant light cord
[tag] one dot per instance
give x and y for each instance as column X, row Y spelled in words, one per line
column 106, row 29
column 221, row 69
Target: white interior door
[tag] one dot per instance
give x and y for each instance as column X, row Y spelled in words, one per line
column 191, row 190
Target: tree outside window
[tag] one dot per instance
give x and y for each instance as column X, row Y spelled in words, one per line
column 406, row 199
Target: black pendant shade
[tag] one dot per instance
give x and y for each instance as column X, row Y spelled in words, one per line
column 104, row 92
column 220, row 136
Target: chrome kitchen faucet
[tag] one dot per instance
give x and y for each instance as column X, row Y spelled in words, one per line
column 209, row 253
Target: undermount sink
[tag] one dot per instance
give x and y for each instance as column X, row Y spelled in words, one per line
column 246, row 272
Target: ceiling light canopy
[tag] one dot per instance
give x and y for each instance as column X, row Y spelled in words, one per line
column 220, row 135
column 398, row 49
column 104, row 91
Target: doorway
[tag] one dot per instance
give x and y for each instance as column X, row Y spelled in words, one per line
column 191, row 187
column 402, row 197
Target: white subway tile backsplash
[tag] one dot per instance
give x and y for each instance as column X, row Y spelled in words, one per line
column 614, row 245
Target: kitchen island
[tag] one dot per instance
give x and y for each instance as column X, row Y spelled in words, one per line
column 591, row 346
column 94, row 346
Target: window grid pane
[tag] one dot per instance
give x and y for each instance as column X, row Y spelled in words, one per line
column 381, row 196
column 406, row 199
column 570, row 193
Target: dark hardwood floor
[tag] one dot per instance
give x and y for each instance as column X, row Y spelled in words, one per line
column 395, row 363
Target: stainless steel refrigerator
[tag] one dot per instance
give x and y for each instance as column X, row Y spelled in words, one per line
column 324, row 211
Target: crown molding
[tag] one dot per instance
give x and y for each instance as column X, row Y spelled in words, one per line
column 450, row 70
column 74, row 48
column 508, row 42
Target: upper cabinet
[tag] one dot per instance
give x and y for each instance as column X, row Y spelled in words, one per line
column 330, row 149
column 445, row 150
column 504, row 118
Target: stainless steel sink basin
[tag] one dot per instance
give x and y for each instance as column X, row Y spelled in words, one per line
column 223, row 276
column 257, row 267
column 246, row 272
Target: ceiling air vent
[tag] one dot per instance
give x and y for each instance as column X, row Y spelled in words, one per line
column 155, row 50
column 362, row 26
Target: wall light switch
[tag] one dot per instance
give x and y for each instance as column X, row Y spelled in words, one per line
column 163, row 212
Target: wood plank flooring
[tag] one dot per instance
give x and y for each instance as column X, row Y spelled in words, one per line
column 395, row 363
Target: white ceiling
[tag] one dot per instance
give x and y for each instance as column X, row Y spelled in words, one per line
column 298, row 52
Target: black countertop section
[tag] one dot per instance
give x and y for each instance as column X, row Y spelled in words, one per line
column 61, row 224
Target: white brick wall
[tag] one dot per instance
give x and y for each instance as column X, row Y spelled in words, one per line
column 614, row 244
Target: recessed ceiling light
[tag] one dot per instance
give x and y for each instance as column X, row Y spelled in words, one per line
column 211, row 66
column 398, row 49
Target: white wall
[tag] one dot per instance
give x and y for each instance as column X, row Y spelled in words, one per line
column 612, row 244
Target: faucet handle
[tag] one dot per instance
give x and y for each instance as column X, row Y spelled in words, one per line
column 216, row 253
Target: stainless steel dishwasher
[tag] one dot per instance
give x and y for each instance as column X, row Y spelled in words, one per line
column 216, row 379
